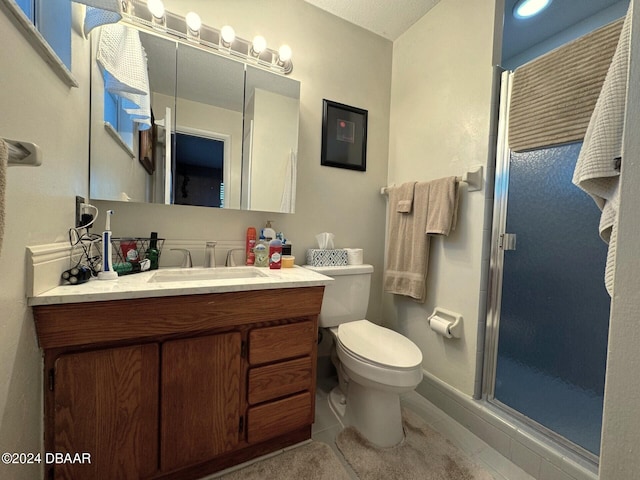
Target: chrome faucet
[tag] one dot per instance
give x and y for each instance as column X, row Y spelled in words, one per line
column 186, row 261
column 210, row 255
column 230, row 262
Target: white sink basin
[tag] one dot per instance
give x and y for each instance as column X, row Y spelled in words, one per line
column 204, row 274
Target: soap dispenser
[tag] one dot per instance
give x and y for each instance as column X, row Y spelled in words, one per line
column 261, row 251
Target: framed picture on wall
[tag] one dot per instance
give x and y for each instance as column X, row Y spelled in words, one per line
column 146, row 150
column 344, row 136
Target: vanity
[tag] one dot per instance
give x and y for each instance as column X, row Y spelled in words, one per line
column 177, row 379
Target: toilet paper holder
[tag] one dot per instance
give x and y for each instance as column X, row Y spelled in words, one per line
column 446, row 322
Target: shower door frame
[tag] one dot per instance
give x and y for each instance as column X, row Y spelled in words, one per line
column 496, row 268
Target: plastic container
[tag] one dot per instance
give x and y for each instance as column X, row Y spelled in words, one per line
column 251, row 244
column 261, row 251
column 268, row 232
column 288, row 261
column 275, row 254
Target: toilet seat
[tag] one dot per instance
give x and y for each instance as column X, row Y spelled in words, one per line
column 378, row 345
column 378, row 357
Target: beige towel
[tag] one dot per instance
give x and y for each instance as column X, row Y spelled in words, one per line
column 434, row 212
column 4, row 160
column 597, row 169
column 405, row 197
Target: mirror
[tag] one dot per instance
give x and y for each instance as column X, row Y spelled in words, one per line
column 224, row 134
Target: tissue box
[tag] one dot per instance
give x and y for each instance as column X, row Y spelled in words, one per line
column 318, row 257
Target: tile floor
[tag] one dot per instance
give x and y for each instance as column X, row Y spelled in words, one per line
column 326, row 427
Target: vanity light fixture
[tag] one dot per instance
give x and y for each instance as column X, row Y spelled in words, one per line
column 221, row 42
column 227, row 36
column 156, row 7
column 258, row 45
column 193, row 23
column 524, row 9
column 284, row 58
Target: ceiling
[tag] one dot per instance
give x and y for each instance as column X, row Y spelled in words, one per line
column 387, row 18
column 391, row 18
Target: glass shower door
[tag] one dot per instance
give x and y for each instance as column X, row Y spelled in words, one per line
column 554, row 309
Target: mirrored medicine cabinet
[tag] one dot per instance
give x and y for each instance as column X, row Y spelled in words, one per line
column 224, row 134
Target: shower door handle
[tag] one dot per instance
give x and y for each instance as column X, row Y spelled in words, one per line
column 507, row 241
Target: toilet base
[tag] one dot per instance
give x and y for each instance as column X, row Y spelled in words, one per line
column 376, row 414
column 338, row 404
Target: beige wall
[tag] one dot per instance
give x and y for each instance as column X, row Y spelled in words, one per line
column 440, row 117
column 619, row 457
column 35, row 106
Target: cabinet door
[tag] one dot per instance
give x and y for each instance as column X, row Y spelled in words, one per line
column 200, row 399
column 106, row 405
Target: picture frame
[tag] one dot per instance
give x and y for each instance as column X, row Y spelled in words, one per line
column 146, row 147
column 344, row 136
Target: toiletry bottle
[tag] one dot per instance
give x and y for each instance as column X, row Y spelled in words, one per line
column 268, row 232
column 153, row 253
column 261, row 251
column 251, row 244
column 275, row 253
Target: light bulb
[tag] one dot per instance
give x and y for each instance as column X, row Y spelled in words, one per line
column 228, row 34
column 529, row 8
column 156, row 7
column 259, row 44
column 284, row 53
column 193, row 21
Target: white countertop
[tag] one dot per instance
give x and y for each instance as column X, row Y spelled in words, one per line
column 138, row 285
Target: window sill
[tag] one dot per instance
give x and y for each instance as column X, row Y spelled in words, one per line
column 37, row 41
column 116, row 136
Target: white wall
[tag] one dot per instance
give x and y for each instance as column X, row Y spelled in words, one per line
column 440, row 118
column 619, row 458
column 36, row 106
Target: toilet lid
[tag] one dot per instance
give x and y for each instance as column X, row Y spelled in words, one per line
column 379, row 344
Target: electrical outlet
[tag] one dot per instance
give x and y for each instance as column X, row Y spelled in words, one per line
column 79, row 202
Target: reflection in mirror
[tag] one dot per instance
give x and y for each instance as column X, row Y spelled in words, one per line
column 116, row 173
column 208, row 129
column 216, row 141
column 270, row 147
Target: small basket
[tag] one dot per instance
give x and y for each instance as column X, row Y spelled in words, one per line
column 120, row 247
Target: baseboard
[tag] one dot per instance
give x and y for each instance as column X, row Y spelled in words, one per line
column 536, row 454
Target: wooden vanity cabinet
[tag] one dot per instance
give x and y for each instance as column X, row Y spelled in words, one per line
column 200, row 392
column 177, row 387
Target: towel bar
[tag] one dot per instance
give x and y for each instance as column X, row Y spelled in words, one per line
column 23, row 153
column 473, row 178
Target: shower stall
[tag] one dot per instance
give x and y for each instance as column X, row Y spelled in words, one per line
column 549, row 309
column 548, row 314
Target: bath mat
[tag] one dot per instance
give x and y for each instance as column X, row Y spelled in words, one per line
column 312, row 461
column 423, row 455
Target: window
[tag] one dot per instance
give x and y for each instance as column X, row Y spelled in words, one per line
column 117, row 117
column 52, row 18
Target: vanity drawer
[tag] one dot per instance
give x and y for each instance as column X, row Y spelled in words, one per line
column 275, row 418
column 279, row 379
column 281, row 342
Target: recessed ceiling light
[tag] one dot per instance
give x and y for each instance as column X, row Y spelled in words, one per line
column 529, row 8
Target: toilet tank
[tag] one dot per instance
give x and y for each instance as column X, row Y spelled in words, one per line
column 346, row 298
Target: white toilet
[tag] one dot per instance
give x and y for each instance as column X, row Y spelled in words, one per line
column 375, row 364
